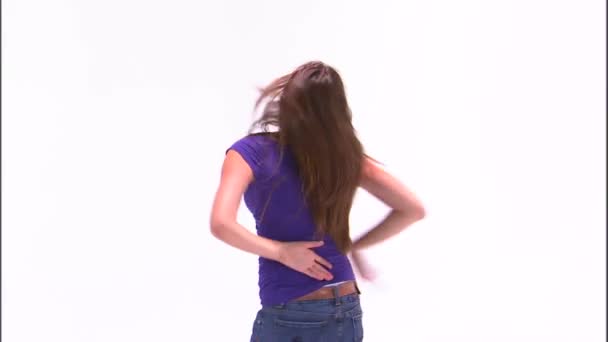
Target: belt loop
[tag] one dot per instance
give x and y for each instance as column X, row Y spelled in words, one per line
column 336, row 294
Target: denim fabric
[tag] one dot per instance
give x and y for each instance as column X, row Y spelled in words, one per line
column 324, row 320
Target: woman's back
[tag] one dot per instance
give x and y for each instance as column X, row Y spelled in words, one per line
column 277, row 203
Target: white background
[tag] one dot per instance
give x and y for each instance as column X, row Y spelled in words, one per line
column 116, row 116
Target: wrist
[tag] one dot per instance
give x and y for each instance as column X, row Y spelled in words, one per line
column 277, row 251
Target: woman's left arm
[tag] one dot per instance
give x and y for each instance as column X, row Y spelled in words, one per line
column 236, row 176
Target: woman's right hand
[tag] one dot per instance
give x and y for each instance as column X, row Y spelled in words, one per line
column 300, row 257
column 365, row 270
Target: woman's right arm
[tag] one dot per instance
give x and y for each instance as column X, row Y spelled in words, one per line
column 406, row 207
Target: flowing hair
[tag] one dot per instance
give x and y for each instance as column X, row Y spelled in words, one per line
column 310, row 110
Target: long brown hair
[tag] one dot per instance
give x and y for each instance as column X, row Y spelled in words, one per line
column 310, row 110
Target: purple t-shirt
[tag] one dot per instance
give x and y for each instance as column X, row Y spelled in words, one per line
column 286, row 218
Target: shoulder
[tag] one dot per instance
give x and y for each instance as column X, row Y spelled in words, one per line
column 252, row 144
column 253, row 148
column 255, row 140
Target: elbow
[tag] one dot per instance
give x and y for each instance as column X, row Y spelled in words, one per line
column 413, row 213
column 419, row 213
column 218, row 229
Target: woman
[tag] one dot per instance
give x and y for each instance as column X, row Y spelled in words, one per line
column 299, row 182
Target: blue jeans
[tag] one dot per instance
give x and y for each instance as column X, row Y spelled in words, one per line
column 324, row 320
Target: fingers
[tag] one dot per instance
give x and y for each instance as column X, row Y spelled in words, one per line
column 311, row 273
column 322, row 271
column 322, row 261
column 365, row 270
column 371, row 275
column 318, row 272
column 318, row 258
column 300, row 257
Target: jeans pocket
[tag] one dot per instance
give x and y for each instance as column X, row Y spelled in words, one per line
column 300, row 324
column 301, row 329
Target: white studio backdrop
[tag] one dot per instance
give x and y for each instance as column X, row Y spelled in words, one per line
column 116, row 116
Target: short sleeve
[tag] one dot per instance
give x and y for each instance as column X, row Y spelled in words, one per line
column 250, row 149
